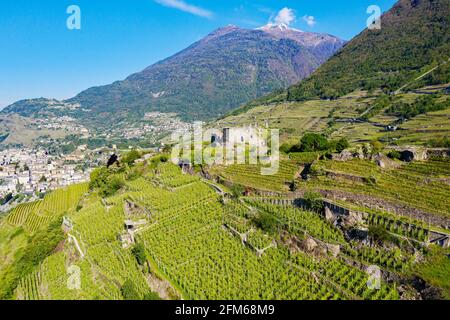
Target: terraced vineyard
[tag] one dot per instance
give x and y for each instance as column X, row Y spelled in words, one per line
column 418, row 185
column 250, row 176
column 390, row 259
column 299, row 222
column 202, row 244
column 35, row 215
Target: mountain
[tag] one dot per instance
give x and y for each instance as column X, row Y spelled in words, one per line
column 397, row 77
column 321, row 45
column 414, row 38
column 227, row 68
column 218, row 73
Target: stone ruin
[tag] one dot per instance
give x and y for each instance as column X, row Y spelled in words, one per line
column 127, row 239
column 67, row 225
column 186, row 167
column 310, row 245
column 132, row 209
column 343, row 217
column 127, row 236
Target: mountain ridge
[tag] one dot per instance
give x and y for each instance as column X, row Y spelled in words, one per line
column 228, row 67
column 414, row 35
column 387, row 59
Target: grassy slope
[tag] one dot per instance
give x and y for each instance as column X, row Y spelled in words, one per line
column 412, row 40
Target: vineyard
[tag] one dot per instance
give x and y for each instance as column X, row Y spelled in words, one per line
column 299, row 222
column 35, row 215
column 394, row 259
column 250, row 176
column 191, row 247
column 419, row 185
column 171, row 176
column 203, row 244
column 413, row 231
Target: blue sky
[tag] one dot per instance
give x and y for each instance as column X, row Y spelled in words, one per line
column 41, row 57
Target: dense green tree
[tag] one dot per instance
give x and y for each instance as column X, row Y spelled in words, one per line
column 342, row 144
column 139, row 253
column 129, row 291
column 267, row 222
column 151, row 296
column 313, row 200
column 311, row 142
column 131, row 157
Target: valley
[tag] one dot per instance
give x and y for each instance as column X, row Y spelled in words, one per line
column 99, row 203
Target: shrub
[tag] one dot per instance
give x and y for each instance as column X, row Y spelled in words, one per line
column 39, row 247
column 439, row 143
column 135, row 173
column 377, row 146
column 316, row 170
column 139, row 253
column 380, row 235
column 342, row 144
column 237, row 190
column 129, row 291
column 113, row 185
column 313, row 200
column 394, row 154
column 293, row 186
column 285, row 148
column 296, row 148
column 160, row 158
column 311, row 142
column 370, row 180
column 151, row 296
column 131, row 157
column 266, row 222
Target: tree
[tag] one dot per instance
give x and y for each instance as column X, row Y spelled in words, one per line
column 6, row 198
column 98, row 177
column 106, row 183
column 114, row 184
column 139, row 253
column 129, row 291
column 311, row 142
column 342, row 144
column 377, row 146
column 151, row 296
column 131, row 157
column 313, row 200
column 267, row 222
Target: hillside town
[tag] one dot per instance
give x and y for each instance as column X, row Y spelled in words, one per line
column 26, row 174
